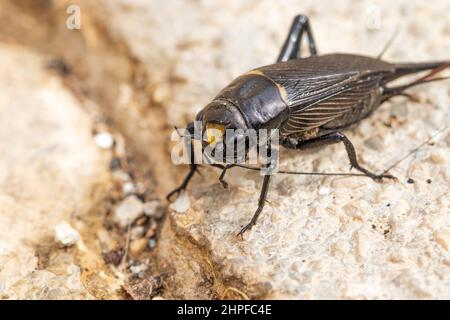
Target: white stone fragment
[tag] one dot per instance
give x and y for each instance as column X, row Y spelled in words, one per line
column 104, row 140
column 128, row 187
column 128, row 210
column 182, row 204
column 139, row 270
column 153, row 209
column 66, row 235
column 324, row 191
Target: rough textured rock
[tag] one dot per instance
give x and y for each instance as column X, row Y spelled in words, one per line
column 50, row 169
column 359, row 239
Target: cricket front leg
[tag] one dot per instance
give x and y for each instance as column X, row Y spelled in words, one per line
column 193, row 167
column 330, row 138
column 261, row 203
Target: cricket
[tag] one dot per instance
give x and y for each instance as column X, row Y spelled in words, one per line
column 310, row 100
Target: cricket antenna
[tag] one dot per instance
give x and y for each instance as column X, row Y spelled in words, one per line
column 389, row 43
column 413, row 151
column 304, row 173
column 410, row 153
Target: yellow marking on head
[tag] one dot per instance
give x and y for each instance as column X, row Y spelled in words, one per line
column 214, row 133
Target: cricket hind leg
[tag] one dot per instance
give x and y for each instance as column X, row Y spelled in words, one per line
column 193, row 167
column 292, row 46
column 330, row 138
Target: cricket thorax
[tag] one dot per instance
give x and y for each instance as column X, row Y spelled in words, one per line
column 259, row 100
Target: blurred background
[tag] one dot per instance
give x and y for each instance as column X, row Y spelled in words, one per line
column 89, row 94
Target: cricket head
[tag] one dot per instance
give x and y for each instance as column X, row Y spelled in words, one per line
column 225, row 132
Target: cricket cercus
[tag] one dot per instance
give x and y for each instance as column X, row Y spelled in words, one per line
column 310, row 101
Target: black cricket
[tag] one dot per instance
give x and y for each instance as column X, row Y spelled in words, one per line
column 310, row 100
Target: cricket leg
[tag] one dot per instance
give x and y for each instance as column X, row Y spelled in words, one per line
column 193, row 167
column 261, row 203
column 330, row 138
column 292, row 46
column 222, row 175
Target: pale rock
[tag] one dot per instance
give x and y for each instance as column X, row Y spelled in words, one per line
column 128, row 188
column 104, row 140
column 151, row 243
column 139, row 270
column 324, row 191
column 66, row 235
column 182, row 203
column 128, row 210
column 137, row 232
column 153, row 209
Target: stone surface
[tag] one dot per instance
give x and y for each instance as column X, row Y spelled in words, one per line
column 49, row 170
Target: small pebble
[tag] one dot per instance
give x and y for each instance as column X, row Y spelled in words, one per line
column 121, row 176
column 104, row 140
column 137, row 232
column 128, row 211
column 153, row 208
column 139, row 270
column 66, row 235
column 373, row 18
column 182, row 204
column 151, row 243
column 128, row 188
column 429, row 181
column 410, row 180
column 115, row 164
column 324, row 191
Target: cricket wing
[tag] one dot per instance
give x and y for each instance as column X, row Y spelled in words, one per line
column 323, row 104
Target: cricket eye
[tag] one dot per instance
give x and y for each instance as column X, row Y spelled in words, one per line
column 214, row 133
